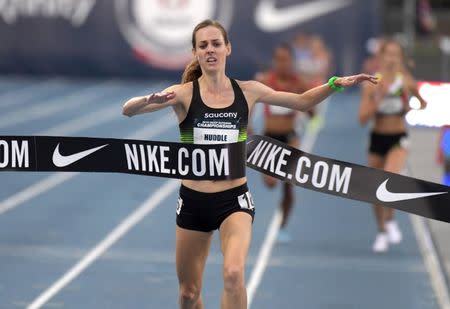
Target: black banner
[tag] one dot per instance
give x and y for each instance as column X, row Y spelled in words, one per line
column 83, row 154
column 226, row 161
column 348, row 180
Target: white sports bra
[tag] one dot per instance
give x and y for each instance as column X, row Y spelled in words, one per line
column 394, row 102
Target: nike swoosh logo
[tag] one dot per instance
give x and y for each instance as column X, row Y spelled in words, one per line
column 384, row 195
column 61, row 161
column 271, row 19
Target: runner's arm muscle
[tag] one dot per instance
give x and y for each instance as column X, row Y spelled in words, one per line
column 306, row 100
column 151, row 102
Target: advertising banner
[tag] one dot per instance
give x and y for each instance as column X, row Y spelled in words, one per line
column 152, row 38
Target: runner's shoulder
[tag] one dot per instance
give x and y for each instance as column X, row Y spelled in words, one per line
column 250, row 85
column 180, row 88
column 254, row 89
column 183, row 92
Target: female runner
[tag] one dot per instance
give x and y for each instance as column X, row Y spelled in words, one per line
column 280, row 123
column 387, row 105
column 204, row 206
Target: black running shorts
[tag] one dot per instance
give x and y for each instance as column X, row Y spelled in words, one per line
column 381, row 144
column 205, row 212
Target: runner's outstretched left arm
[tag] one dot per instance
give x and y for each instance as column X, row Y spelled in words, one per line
column 308, row 99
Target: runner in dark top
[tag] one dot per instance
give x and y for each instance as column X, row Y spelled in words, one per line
column 226, row 204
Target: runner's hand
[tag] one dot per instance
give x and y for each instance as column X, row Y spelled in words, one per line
column 348, row 81
column 160, row 97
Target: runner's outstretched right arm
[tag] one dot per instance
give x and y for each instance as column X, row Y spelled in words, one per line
column 151, row 102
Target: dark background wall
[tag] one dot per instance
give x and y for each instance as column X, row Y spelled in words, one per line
column 150, row 38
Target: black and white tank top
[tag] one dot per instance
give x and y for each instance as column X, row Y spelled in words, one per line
column 394, row 103
column 206, row 125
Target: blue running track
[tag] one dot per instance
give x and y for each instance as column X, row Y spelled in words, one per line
column 50, row 222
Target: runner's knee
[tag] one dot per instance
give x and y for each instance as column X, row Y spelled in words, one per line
column 233, row 278
column 189, row 293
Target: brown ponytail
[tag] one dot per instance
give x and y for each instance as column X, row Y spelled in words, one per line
column 193, row 70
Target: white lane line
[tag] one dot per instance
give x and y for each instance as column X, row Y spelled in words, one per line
column 263, row 256
column 84, row 122
column 55, row 179
column 431, row 261
column 73, row 100
column 134, row 218
column 287, row 262
column 271, row 234
column 29, row 92
column 34, row 190
column 91, row 119
column 430, row 257
column 87, row 121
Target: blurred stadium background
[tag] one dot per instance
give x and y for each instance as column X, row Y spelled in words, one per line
column 67, row 66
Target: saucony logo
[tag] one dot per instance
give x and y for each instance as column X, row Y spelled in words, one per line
column 271, row 19
column 384, row 195
column 61, row 161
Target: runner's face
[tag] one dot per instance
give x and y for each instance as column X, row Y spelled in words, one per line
column 283, row 61
column 211, row 50
column 392, row 55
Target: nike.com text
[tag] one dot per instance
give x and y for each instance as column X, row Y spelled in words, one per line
column 146, row 158
column 14, row 154
column 319, row 174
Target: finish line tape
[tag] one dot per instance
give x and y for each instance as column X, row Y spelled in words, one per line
column 226, row 161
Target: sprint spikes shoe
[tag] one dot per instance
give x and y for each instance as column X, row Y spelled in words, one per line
column 393, row 232
column 381, row 243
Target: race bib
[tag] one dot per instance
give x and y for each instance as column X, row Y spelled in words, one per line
column 215, row 136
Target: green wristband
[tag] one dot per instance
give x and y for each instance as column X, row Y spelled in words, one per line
column 333, row 86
